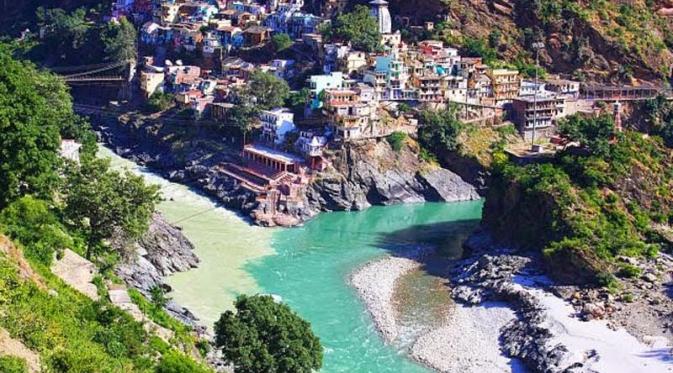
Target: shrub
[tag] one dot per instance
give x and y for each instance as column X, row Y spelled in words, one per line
column 281, row 42
column 397, row 140
column 159, row 101
column 629, row 271
column 12, row 364
column 31, row 222
column 174, row 362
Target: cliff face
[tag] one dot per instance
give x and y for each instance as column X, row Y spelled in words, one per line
column 587, row 213
column 375, row 174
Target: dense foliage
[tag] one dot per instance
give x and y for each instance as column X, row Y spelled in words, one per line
column 281, row 42
column 439, row 129
column 104, row 203
column 265, row 336
column 611, row 197
column 359, row 28
column 11, row 364
column 81, row 37
column 47, row 205
column 31, row 115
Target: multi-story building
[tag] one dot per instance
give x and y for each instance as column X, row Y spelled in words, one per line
column 276, row 124
column 505, row 85
column 320, row 83
column 346, row 113
column 539, row 113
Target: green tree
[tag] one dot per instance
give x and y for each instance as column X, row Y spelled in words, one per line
column 265, row 336
column 159, row 101
column 439, row 130
column 119, row 40
column 33, row 107
column 474, row 47
column 297, row 101
column 65, row 34
column 104, row 203
column 593, row 133
column 359, row 28
column 264, row 90
column 281, row 42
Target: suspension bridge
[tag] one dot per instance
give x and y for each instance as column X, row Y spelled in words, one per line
column 117, row 75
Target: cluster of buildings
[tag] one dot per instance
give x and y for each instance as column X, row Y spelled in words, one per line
column 351, row 98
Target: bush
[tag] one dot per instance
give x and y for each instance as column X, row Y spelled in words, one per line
column 397, row 140
column 629, row 271
column 281, row 42
column 12, row 364
column 174, row 362
column 159, row 101
column 30, row 222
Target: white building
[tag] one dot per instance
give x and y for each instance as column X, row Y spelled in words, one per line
column 276, row 124
column 382, row 15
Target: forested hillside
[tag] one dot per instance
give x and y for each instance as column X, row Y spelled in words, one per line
column 588, row 39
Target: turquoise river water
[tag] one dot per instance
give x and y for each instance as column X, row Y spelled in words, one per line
column 309, row 267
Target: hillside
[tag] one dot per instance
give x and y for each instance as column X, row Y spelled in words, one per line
column 597, row 40
column 588, row 209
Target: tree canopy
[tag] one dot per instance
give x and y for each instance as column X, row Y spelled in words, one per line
column 265, row 336
column 359, row 28
column 281, row 42
column 439, row 130
column 102, row 202
column 594, row 133
column 119, row 40
column 266, row 90
column 33, row 107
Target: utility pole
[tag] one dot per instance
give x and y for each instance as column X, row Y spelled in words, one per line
column 537, row 46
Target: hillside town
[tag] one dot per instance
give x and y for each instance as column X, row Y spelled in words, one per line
column 350, row 95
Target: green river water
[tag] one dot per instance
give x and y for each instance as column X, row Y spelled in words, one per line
column 309, row 268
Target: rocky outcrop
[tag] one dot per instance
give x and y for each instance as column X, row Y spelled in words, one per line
column 161, row 251
column 373, row 173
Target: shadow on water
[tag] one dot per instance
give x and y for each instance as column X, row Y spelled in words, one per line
column 445, row 240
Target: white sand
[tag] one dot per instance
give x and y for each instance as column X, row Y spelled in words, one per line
column 618, row 351
column 469, row 342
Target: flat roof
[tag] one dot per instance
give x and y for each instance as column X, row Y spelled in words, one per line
column 273, row 154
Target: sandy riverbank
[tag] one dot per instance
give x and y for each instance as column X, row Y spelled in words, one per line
column 467, row 341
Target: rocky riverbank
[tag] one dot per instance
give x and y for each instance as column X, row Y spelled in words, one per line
column 359, row 175
column 548, row 334
column 161, row 251
column 466, row 340
column 511, row 317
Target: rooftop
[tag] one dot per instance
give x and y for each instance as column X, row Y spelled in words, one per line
column 272, row 153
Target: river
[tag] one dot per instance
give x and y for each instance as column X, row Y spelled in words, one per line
column 309, row 267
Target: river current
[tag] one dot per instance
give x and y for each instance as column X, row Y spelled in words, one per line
column 309, row 266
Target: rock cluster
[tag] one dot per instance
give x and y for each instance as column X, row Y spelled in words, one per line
column 489, row 277
column 161, row 251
